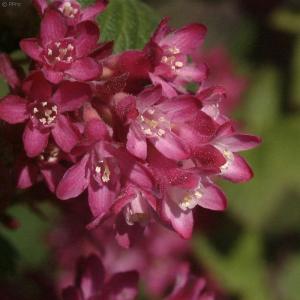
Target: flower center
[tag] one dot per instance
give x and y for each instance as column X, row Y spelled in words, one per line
column 191, row 198
column 60, row 52
column 69, row 10
column 153, row 123
column 171, row 59
column 229, row 159
column 50, row 155
column 45, row 112
column 102, row 171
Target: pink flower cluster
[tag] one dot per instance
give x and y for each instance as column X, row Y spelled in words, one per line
column 126, row 129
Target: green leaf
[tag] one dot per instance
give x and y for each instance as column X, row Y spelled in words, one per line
column 129, row 23
column 242, row 272
column 4, row 90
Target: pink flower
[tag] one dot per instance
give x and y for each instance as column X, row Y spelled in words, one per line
column 72, row 10
column 91, row 283
column 180, row 191
column 62, row 53
column 46, row 166
column 171, row 50
column 45, row 112
column 229, row 141
column 158, row 120
column 101, row 170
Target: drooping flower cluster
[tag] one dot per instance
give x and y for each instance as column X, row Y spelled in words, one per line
column 124, row 129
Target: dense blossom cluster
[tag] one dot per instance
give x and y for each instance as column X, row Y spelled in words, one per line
column 143, row 134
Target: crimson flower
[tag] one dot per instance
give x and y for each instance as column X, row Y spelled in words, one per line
column 100, row 170
column 45, row 112
column 173, row 70
column 62, row 53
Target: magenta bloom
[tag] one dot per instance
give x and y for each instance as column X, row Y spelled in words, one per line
column 228, row 141
column 45, row 167
column 180, row 191
column 62, row 53
column 91, row 283
column 100, row 170
column 160, row 121
column 173, row 70
column 72, row 10
column 45, row 112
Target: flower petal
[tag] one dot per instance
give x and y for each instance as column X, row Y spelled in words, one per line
column 53, row 76
column 32, row 48
column 238, row 170
column 90, row 12
column 100, row 198
column 71, row 293
column 35, row 140
column 182, row 221
column 74, row 181
column 65, row 134
column 84, row 69
column 13, row 109
column 27, row 176
column 213, row 198
column 239, row 142
column 171, row 146
column 136, row 143
column 71, row 95
column 87, row 37
column 167, row 89
column 53, row 27
column 186, row 39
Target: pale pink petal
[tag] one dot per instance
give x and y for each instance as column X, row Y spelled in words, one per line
column 136, row 143
column 13, row 109
column 182, row 221
column 238, row 170
column 170, row 146
column 167, row 89
column 74, row 181
column 239, row 142
column 213, row 198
